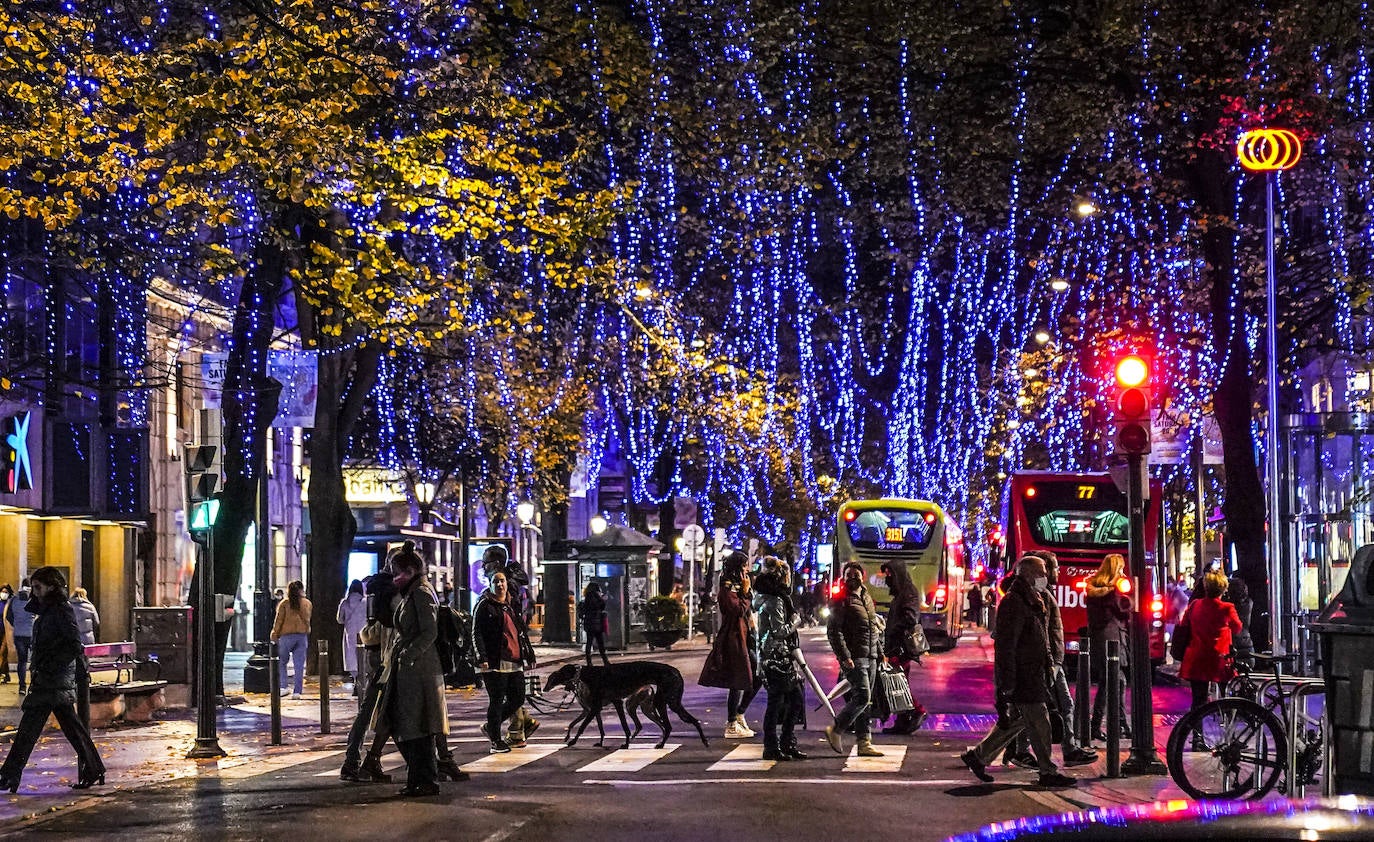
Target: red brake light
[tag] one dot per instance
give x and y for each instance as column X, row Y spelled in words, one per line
column 1157, row 606
column 940, row 592
column 835, row 589
column 930, row 517
column 849, row 515
column 1030, row 491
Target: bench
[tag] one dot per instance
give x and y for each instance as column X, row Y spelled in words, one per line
column 130, row 700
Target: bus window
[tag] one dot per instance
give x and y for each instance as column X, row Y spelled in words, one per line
column 889, row 529
column 1062, row 515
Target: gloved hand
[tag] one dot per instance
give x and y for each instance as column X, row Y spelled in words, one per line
column 1006, row 709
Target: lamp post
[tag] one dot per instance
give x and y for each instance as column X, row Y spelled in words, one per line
column 1270, row 151
column 597, row 524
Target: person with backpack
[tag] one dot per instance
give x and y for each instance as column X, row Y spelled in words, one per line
column 21, row 622
column 592, row 613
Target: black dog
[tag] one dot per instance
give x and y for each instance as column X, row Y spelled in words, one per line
column 597, row 687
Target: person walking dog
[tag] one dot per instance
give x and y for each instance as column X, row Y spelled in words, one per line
column 56, row 658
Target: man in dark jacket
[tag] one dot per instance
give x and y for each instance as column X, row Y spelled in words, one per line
column 1022, row 661
column 1074, row 754
column 857, row 643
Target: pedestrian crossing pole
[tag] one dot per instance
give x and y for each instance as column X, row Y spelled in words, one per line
column 1144, row 760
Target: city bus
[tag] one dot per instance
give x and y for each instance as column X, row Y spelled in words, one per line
column 920, row 535
column 1081, row 517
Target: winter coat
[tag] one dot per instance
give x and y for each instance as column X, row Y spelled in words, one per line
column 19, row 619
column 903, row 614
column 87, row 619
column 1211, row 623
column 1021, row 651
column 54, row 653
column 776, row 614
column 291, row 620
column 488, row 625
column 728, row 664
column 413, row 700
column 1241, row 640
column 1109, row 616
column 593, row 613
column 1056, row 628
column 853, row 626
column 352, row 615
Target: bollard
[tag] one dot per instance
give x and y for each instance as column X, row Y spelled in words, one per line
column 274, row 691
column 1113, row 678
column 1082, row 706
column 324, row 686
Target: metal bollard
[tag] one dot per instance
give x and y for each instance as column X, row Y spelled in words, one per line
column 274, row 691
column 324, row 685
column 1082, row 706
column 1113, row 679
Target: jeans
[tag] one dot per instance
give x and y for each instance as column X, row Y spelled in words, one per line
column 88, row 762
column 1035, row 719
column 293, row 646
column 21, row 650
column 505, row 695
column 599, row 638
column 367, row 704
column 862, row 678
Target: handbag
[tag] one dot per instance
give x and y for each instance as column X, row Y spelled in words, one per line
column 894, row 690
column 1183, row 635
column 916, row 643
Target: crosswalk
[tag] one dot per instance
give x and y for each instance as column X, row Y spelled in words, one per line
column 739, row 759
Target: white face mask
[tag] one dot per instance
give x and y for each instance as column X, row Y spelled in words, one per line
column 1041, row 583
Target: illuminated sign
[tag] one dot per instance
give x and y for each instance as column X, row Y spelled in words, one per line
column 18, row 474
column 893, row 533
column 1087, row 492
column 1268, row 150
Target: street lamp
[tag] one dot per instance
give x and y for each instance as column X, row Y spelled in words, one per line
column 525, row 511
column 1059, row 285
column 1270, row 151
column 1042, row 337
column 424, row 496
column 597, row 524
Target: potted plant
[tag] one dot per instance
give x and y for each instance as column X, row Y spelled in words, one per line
column 665, row 622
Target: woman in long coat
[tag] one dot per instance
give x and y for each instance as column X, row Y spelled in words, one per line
column 903, row 618
column 54, row 660
column 1109, row 613
column 352, row 615
column 729, row 664
column 412, row 706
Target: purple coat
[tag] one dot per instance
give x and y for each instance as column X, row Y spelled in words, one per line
column 728, row 664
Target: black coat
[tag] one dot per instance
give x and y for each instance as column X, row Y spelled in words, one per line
column 1021, row 653
column 853, row 626
column 903, row 614
column 593, row 613
column 54, row 655
column 487, row 628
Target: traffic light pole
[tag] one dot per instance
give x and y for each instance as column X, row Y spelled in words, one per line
column 1143, row 760
column 207, row 738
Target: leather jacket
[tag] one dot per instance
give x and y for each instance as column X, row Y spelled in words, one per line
column 853, row 627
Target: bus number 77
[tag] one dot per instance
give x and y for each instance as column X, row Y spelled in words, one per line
column 1087, row 492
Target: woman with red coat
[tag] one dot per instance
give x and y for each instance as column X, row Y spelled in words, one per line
column 1211, row 623
column 729, row 665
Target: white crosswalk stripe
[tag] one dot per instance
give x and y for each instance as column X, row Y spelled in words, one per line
column 512, row 759
column 630, row 759
column 743, row 758
column 891, row 761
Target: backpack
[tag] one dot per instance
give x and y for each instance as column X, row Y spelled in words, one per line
column 454, row 645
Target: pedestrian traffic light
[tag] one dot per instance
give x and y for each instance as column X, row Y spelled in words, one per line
column 201, row 500
column 1132, row 416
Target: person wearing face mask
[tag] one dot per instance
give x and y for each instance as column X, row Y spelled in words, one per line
column 857, row 643
column 1022, row 662
column 503, row 654
column 1074, row 754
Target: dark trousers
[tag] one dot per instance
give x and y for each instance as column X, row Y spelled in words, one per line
column 88, row 762
column 1200, row 690
column 784, row 705
column 598, row 638
column 862, row 678
column 21, row 653
column 422, row 767
column 505, row 695
column 367, row 703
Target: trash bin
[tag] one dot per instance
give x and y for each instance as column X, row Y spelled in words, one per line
column 256, row 678
column 1346, row 628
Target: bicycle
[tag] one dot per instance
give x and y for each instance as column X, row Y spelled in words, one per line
column 1238, row 746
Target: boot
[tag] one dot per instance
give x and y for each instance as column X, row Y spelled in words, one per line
column 792, row 750
column 866, row 749
column 349, row 772
column 770, row 745
column 371, row 770
column 448, row 768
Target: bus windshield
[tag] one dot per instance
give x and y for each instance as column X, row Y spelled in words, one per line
column 1077, row 514
column 889, row 529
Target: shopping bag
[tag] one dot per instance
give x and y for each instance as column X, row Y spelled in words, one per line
column 893, row 687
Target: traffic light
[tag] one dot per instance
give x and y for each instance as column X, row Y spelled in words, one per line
column 1132, row 417
column 201, row 500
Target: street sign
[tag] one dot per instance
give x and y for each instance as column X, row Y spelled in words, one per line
column 693, row 540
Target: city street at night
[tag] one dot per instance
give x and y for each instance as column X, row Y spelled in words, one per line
column 918, row 791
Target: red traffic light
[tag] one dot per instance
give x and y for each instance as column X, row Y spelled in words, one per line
column 1133, row 403
column 1132, row 371
column 1123, row 585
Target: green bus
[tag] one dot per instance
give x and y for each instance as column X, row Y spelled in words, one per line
column 920, row 535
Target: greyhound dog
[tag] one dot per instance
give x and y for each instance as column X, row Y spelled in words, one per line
column 596, row 687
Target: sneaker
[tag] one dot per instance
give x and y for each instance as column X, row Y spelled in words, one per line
column 733, row 732
column 284, row 692
column 1079, row 757
column 832, row 736
column 295, row 695
column 743, row 725
column 866, row 749
column 499, row 747
column 976, row 766
column 515, row 739
column 531, row 725
column 1056, row 779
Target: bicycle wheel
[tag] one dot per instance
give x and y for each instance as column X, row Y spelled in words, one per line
column 1230, row 748
column 1243, row 686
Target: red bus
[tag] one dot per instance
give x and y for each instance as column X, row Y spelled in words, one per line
column 1081, row 517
